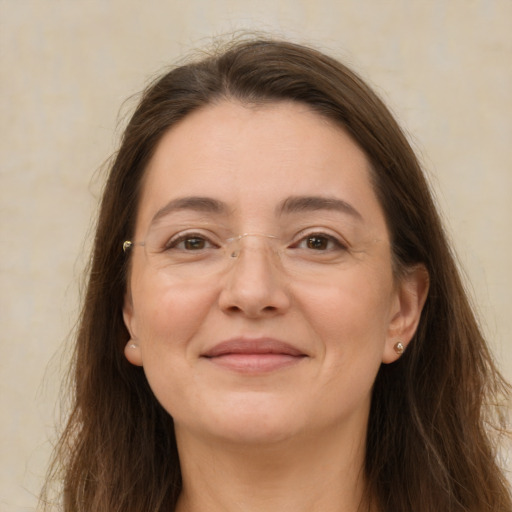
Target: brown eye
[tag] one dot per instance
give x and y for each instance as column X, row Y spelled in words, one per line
column 189, row 243
column 194, row 244
column 319, row 243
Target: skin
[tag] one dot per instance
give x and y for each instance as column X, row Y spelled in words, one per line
column 254, row 437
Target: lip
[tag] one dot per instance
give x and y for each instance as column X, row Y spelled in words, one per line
column 254, row 355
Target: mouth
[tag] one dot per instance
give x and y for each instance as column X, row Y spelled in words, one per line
column 254, row 355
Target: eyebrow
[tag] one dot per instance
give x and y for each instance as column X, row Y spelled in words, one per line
column 299, row 204
column 294, row 204
column 195, row 203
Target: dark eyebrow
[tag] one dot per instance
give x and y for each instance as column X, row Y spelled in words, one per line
column 299, row 204
column 199, row 204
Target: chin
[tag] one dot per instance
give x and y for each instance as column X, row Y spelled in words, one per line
column 255, row 434
column 247, row 421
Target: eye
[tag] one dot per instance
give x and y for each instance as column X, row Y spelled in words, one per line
column 190, row 242
column 320, row 242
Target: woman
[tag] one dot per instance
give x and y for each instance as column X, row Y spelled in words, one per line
column 273, row 319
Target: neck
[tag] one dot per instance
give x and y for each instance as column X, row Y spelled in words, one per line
column 310, row 473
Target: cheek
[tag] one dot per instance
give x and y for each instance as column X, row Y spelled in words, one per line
column 352, row 326
column 168, row 313
column 350, row 318
column 354, row 307
column 169, row 318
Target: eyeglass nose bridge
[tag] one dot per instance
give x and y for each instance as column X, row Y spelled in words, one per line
column 234, row 243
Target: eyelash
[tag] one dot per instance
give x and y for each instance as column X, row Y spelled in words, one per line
column 331, row 239
column 333, row 242
column 181, row 238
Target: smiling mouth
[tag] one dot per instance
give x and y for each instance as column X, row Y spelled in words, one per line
column 254, row 355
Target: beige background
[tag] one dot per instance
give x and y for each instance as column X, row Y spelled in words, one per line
column 444, row 66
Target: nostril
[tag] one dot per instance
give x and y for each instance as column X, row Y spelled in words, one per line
column 252, row 310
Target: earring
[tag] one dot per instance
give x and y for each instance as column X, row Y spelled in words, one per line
column 399, row 348
column 132, row 345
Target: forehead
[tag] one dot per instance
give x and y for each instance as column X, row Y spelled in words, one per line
column 253, row 157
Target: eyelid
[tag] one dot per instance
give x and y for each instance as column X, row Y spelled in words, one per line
column 218, row 235
column 181, row 236
column 336, row 238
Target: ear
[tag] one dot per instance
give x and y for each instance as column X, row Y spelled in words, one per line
column 132, row 350
column 410, row 296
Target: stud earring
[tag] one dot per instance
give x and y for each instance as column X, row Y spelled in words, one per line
column 399, row 348
column 132, row 345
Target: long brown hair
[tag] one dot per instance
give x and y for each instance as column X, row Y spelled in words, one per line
column 429, row 447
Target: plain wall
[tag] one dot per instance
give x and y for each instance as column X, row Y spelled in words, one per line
column 443, row 66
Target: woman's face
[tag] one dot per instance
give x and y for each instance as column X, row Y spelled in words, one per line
column 283, row 333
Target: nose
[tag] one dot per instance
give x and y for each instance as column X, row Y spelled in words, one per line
column 254, row 285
